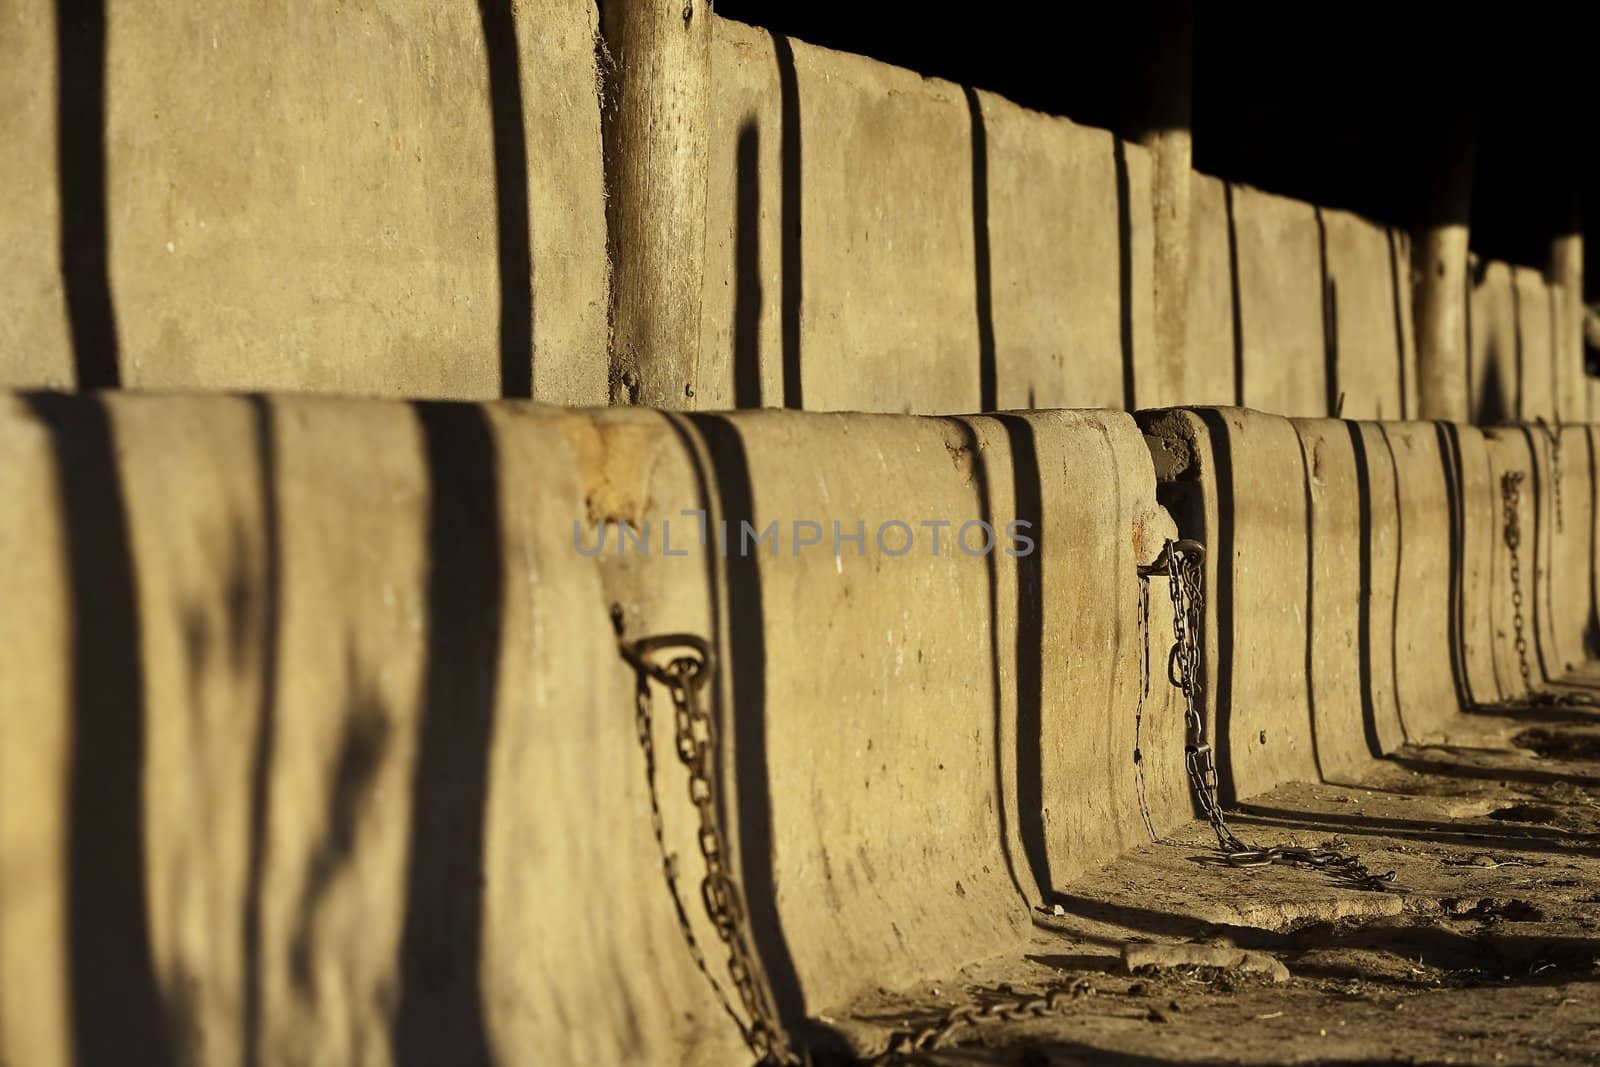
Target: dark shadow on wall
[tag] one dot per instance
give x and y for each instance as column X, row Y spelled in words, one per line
column 1364, row 592
column 1493, row 407
column 1237, row 305
column 512, row 213
column 1591, row 630
column 81, row 186
column 790, row 221
column 1119, row 157
column 1516, row 340
column 1333, row 397
column 1399, row 572
column 1028, row 504
column 363, row 737
column 983, row 286
column 981, row 481
column 744, row 724
column 1309, row 665
column 439, row 1017
column 1453, row 470
column 747, row 269
column 117, row 1014
column 1221, row 550
column 1400, row 323
column 1470, row 281
column 265, row 741
column 1554, row 351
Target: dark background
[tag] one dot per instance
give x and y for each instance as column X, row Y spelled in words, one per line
column 1344, row 105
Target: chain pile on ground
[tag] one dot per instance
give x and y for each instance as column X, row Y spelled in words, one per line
column 906, row 1044
column 1183, row 563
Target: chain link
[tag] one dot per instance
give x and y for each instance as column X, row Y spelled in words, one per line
column 1183, row 563
column 906, row 1044
column 684, row 665
column 1511, row 509
column 1554, row 433
column 1510, row 501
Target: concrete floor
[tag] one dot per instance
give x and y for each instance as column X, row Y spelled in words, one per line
column 1487, row 953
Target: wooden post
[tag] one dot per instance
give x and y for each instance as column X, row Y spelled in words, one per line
column 1565, row 278
column 1166, row 130
column 655, row 120
column 1439, row 269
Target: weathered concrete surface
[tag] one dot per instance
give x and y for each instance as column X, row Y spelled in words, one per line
column 1493, row 378
column 1367, row 295
column 1072, row 250
column 1511, row 328
column 1210, row 351
column 1281, row 306
column 1352, row 573
column 1535, row 312
column 1357, row 585
column 298, row 768
column 883, row 241
column 304, row 199
column 304, row 773
column 1487, row 957
column 1292, row 305
column 860, row 176
column 1445, row 654
column 1556, row 558
column 1256, row 640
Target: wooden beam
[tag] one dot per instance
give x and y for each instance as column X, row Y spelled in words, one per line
column 1439, row 271
column 1565, row 278
column 1165, row 129
column 655, row 121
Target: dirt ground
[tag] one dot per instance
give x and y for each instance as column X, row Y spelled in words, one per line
column 1486, row 953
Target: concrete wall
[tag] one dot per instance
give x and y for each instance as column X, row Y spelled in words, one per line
column 299, row 764
column 883, row 241
column 295, row 197
column 1557, row 556
column 298, row 758
column 1358, row 581
column 1291, row 305
column 370, row 203
column 1514, row 371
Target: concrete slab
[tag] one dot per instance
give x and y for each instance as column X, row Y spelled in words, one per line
column 887, row 242
column 305, row 200
column 330, row 752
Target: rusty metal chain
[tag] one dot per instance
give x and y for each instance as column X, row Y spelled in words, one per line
column 1511, row 507
column 906, row 1044
column 1510, row 500
column 1554, row 433
column 1183, row 563
column 684, row 665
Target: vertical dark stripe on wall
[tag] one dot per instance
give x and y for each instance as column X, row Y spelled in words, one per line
column 983, row 286
column 266, row 728
column 791, row 200
column 81, row 186
column 1237, row 300
column 116, row 1005
column 512, row 214
column 1119, row 159
column 439, row 1018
